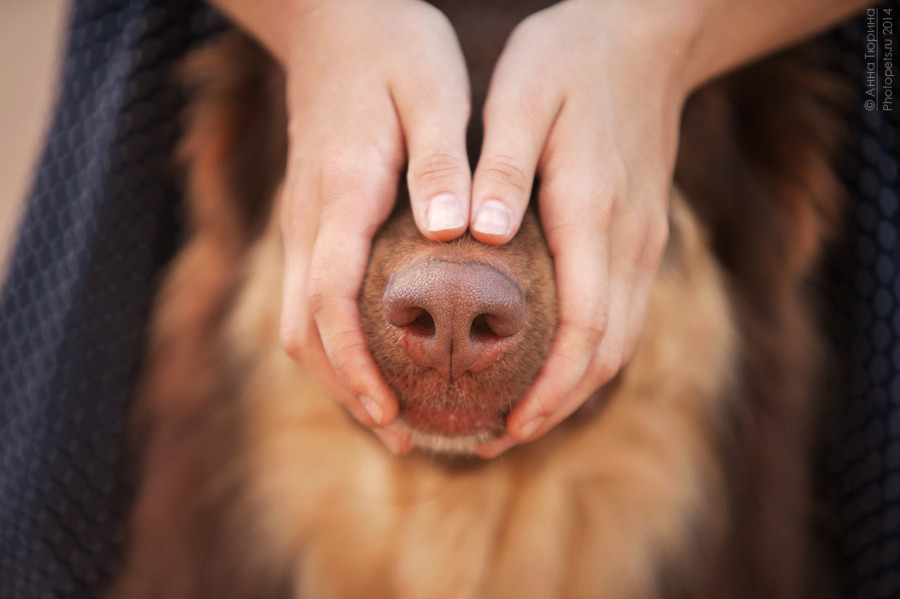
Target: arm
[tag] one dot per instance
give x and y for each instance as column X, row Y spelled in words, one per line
column 600, row 86
column 371, row 84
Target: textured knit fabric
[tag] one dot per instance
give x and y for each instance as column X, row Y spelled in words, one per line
column 102, row 220
column 865, row 457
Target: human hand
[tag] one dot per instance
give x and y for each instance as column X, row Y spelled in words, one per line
column 371, row 84
column 588, row 95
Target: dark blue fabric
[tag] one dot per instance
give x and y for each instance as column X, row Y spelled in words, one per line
column 101, row 221
column 864, row 465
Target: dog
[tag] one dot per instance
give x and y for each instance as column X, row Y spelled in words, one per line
column 687, row 476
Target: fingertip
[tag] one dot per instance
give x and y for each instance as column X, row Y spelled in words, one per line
column 397, row 441
column 528, row 429
column 373, row 409
column 445, row 217
column 289, row 338
column 493, row 223
column 379, row 401
column 495, row 447
column 439, row 178
column 348, row 356
column 530, row 417
column 388, row 404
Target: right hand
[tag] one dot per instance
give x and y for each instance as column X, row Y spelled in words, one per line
column 372, row 85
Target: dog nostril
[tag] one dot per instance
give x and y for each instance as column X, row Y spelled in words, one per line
column 480, row 326
column 404, row 313
column 503, row 320
column 454, row 317
column 423, row 324
column 489, row 327
column 414, row 319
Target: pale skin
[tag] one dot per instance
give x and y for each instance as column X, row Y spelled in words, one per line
column 587, row 94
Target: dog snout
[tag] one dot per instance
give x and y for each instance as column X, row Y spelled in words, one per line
column 455, row 317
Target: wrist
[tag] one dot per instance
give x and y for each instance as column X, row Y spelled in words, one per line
column 732, row 33
column 654, row 39
column 698, row 40
column 272, row 23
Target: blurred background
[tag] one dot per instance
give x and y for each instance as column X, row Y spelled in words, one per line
column 32, row 33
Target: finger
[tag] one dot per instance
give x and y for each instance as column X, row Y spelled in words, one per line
column 571, row 375
column 299, row 215
column 640, row 303
column 495, row 447
column 581, row 183
column 582, row 266
column 299, row 336
column 644, row 278
column 634, row 254
column 434, row 114
column 315, row 361
column 355, row 201
column 332, row 303
column 517, row 119
column 604, row 364
column 396, row 440
column 636, row 251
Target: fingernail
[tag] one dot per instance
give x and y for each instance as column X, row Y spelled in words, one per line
column 372, row 408
column 492, row 218
column 529, row 428
column 392, row 445
column 444, row 212
column 495, row 448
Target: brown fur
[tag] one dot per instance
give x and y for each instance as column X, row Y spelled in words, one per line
column 689, row 479
column 525, row 260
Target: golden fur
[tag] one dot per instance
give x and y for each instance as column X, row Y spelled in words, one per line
column 687, row 477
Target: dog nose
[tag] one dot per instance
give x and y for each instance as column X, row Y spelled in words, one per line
column 455, row 317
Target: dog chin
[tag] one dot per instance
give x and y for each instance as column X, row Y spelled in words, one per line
column 450, row 428
column 447, row 444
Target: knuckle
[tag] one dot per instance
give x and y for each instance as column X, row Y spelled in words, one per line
column 336, row 181
column 354, row 170
column 522, row 108
column 449, row 104
column 524, row 30
column 544, row 405
column 502, row 171
column 529, row 32
column 317, row 298
column 637, row 236
column 616, row 172
column 659, row 239
column 344, row 356
column 590, row 206
column 562, row 233
column 432, row 16
column 593, row 332
column 592, row 329
column 637, row 228
column 569, row 185
column 435, row 170
column 431, row 21
column 341, row 361
column 341, row 171
column 647, row 234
